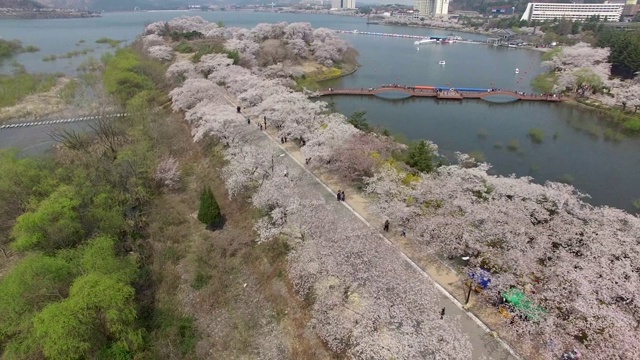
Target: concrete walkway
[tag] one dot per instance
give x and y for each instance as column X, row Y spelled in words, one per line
column 484, row 341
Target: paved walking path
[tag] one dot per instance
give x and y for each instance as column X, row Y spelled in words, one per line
column 482, row 338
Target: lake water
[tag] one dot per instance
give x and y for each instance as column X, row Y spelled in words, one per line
column 575, row 148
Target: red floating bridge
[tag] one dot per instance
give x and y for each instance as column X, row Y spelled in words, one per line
column 443, row 92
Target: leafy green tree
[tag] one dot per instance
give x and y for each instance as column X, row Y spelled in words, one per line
column 34, row 282
column 100, row 310
column 124, row 76
column 54, row 224
column 625, row 50
column 21, row 180
column 585, row 77
column 209, row 212
column 99, row 256
column 359, row 121
column 421, row 157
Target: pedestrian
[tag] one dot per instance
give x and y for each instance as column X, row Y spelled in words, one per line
column 282, row 140
column 339, row 195
column 285, row 139
column 260, row 126
column 265, row 122
column 238, row 109
column 248, row 120
column 442, row 313
column 286, row 173
column 386, row 225
column 343, row 196
column 404, row 233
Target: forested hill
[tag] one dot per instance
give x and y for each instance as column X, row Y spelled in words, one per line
column 19, row 4
column 118, row 5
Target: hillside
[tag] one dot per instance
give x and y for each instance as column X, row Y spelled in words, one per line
column 66, row 4
column 117, row 5
column 19, row 4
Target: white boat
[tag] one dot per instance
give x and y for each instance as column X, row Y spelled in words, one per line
column 425, row 41
column 517, row 71
column 441, row 62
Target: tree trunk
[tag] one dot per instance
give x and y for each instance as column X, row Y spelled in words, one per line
column 466, row 301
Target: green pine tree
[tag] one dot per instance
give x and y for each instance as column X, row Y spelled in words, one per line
column 209, row 212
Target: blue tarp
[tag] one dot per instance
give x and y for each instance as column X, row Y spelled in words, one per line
column 481, row 277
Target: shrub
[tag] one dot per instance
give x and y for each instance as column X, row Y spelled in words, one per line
column 421, row 157
column 111, row 42
column 513, row 145
column 184, row 48
column 209, row 212
column 536, row 135
column 632, row 125
column 9, row 48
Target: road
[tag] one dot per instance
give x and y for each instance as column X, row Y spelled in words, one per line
column 36, row 140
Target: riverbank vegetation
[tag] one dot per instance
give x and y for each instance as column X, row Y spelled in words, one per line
column 8, row 48
column 587, row 73
column 111, row 42
column 77, row 217
column 17, row 86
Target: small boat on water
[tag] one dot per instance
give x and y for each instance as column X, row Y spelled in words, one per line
column 517, row 71
column 425, row 41
column 442, row 62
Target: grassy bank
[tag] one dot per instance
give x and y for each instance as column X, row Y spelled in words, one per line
column 629, row 120
column 21, row 84
column 314, row 76
column 544, row 83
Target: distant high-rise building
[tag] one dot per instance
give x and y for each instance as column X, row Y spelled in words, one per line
column 573, row 12
column 432, row 7
column 343, row 4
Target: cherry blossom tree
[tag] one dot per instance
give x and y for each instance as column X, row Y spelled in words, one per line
column 194, row 91
column 327, row 47
column 168, row 173
column 218, row 119
column 360, row 155
column 161, row 52
column 156, row 28
column 541, row 237
column 180, row 71
column 152, row 40
column 212, row 62
column 264, row 31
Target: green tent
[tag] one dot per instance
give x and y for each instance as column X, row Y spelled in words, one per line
column 524, row 305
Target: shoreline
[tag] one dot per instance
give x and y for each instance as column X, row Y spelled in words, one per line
column 44, row 14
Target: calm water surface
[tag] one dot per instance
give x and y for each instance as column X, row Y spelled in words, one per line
column 574, row 148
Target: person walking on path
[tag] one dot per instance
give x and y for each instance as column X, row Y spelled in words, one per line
column 248, row 120
column 442, row 313
column 339, row 195
column 386, row 225
column 265, row 122
column 404, row 233
column 342, row 197
column 238, row 109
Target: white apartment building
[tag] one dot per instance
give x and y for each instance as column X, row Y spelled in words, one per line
column 574, row 12
column 431, row 7
column 343, row 4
